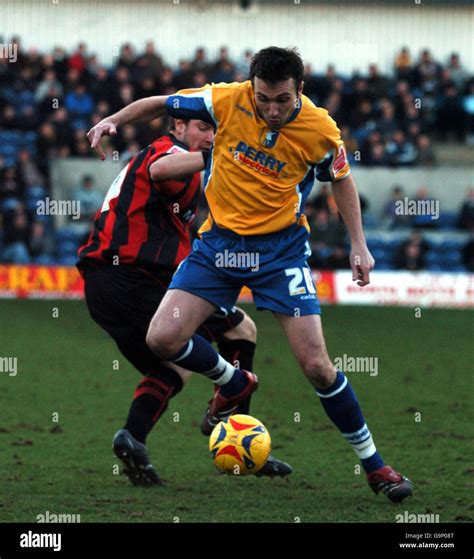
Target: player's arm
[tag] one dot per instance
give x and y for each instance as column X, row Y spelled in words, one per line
column 348, row 203
column 334, row 167
column 142, row 110
column 197, row 104
column 177, row 166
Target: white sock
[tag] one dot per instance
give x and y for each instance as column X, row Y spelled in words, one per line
column 221, row 373
column 364, row 449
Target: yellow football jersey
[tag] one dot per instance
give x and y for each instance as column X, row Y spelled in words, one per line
column 257, row 179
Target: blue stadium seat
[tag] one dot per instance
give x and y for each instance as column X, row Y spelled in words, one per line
column 434, row 243
column 35, row 192
column 8, row 94
column 16, row 140
column 9, row 204
column 453, row 244
column 30, row 136
column 360, row 135
column 67, row 247
column 324, row 252
column 67, row 234
column 28, row 142
column 8, row 149
column 373, row 244
column 384, row 265
column 24, row 98
column 447, row 220
column 68, row 260
column 452, row 258
column 390, row 246
column 434, row 268
column 31, row 205
column 433, row 258
column 8, row 136
column 10, row 160
column 379, row 254
column 44, row 260
column 369, row 220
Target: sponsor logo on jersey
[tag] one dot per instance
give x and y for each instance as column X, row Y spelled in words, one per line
column 258, row 160
column 340, row 162
column 244, row 110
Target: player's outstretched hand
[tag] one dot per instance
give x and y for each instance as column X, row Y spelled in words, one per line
column 102, row 128
column 362, row 262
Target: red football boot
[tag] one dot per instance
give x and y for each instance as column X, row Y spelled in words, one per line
column 221, row 407
column 393, row 484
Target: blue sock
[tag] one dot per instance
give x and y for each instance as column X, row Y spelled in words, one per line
column 340, row 403
column 199, row 356
column 235, row 385
column 373, row 463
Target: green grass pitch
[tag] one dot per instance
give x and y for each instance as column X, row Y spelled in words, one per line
column 418, row 408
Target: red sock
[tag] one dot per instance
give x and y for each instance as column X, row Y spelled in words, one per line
column 150, row 401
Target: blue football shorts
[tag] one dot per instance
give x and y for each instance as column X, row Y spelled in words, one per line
column 273, row 266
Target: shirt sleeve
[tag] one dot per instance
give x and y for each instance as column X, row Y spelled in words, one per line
column 334, row 165
column 168, row 188
column 170, row 151
column 192, row 104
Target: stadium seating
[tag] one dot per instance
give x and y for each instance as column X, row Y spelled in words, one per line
column 444, row 246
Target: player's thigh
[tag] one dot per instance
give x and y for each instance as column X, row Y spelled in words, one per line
column 306, row 339
column 131, row 343
column 177, row 318
column 122, row 296
column 123, row 301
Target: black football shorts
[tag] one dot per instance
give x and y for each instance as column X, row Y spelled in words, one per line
column 123, row 299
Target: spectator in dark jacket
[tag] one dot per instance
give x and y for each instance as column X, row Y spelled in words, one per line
column 466, row 213
column 468, row 255
column 16, row 235
column 411, row 253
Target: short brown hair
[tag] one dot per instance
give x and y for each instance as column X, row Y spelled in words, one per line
column 275, row 64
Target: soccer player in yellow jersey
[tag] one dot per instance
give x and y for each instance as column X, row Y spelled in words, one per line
column 271, row 143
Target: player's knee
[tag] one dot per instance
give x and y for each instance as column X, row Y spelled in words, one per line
column 164, row 343
column 319, row 370
column 246, row 330
column 154, row 342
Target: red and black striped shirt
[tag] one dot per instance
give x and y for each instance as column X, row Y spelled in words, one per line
column 143, row 222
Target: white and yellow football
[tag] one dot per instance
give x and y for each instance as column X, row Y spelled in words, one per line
column 240, row 445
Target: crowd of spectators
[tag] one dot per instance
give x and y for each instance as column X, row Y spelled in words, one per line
column 48, row 101
column 330, row 246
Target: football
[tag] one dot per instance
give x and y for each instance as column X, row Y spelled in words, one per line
column 240, row 445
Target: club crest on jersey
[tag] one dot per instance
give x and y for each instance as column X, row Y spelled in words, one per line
column 268, row 138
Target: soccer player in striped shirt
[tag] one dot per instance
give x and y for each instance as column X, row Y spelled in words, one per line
column 139, row 237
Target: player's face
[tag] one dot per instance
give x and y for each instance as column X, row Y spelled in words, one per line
column 198, row 135
column 276, row 101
